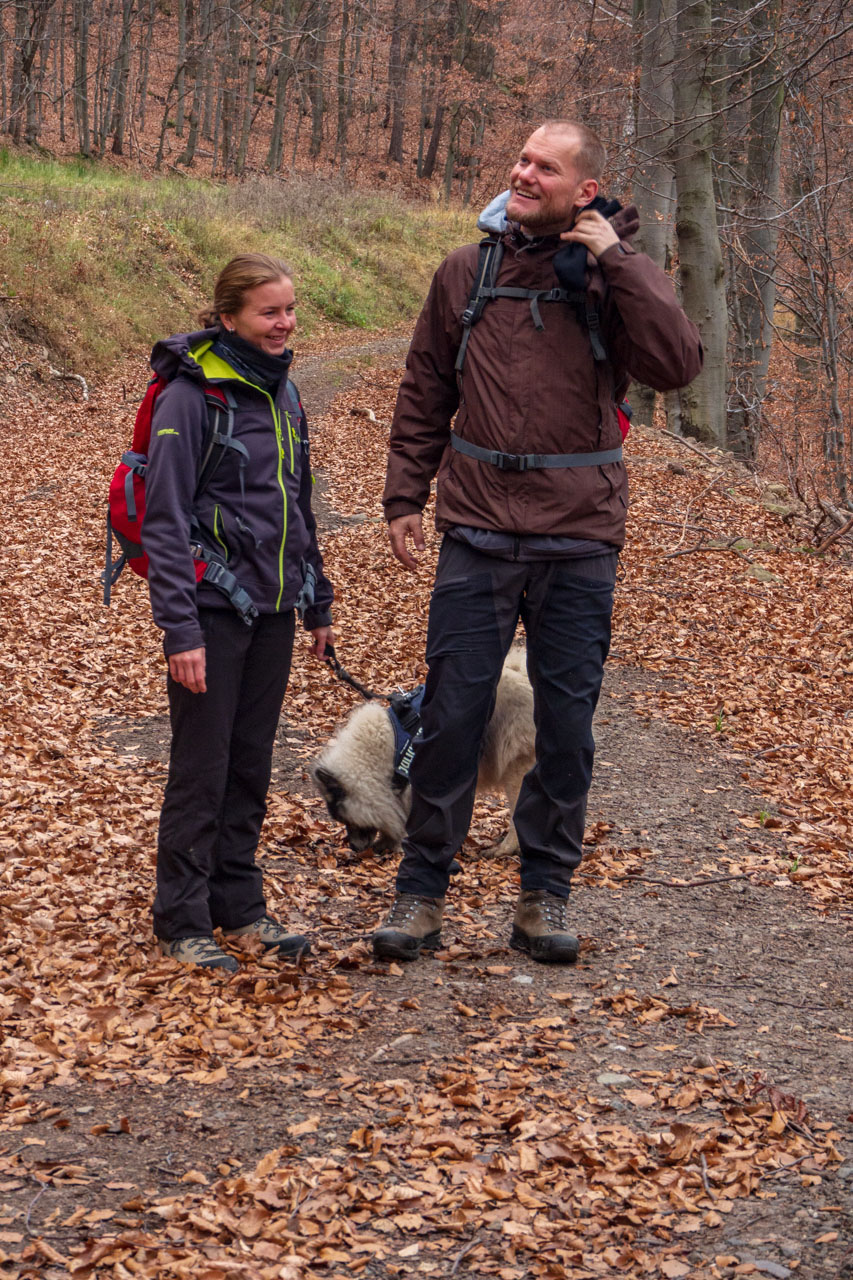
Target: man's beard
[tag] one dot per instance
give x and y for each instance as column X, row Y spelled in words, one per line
column 538, row 213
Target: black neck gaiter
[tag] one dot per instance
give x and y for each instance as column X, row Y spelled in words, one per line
column 251, row 362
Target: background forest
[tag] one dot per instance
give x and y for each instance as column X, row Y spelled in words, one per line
column 728, row 124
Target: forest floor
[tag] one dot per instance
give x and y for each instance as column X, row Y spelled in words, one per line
column 675, row 1105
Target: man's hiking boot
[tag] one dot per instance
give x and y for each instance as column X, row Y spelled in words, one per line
column 287, row 946
column 540, row 928
column 412, row 923
column 202, row 951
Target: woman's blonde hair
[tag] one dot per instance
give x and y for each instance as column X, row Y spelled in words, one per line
column 236, row 278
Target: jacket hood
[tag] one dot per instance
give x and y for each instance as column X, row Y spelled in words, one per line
column 171, row 356
column 174, row 355
column 493, row 219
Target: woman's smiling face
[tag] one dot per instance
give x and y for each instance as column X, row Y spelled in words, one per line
column 267, row 317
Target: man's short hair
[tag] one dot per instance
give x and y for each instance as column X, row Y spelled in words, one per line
column 590, row 154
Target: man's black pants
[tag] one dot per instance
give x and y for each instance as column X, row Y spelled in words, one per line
column 219, row 773
column 565, row 606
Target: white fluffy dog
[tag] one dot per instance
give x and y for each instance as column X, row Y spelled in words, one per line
column 355, row 772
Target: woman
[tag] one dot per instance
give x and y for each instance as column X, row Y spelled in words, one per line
column 228, row 638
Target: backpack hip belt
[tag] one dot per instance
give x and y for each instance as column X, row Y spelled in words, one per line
column 533, row 461
column 217, row 575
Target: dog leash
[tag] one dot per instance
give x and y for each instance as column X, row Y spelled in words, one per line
column 344, row 676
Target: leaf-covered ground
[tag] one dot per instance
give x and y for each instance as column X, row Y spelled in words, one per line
column 677, row 1105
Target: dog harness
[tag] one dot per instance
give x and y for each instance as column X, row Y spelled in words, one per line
column 404, row 713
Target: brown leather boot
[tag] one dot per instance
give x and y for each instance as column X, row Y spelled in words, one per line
column 412, row 923
column 540, row 928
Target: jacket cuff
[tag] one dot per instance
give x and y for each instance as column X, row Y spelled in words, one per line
column 182, row 639
column 316, row 618
column 616, row 251
column 400, row 507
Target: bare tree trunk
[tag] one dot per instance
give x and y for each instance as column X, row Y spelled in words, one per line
column 207, row 10
column 30, row 26
column 700, row 258
column 121, row 71
column 755, row 283
column 82, row 21
column 316, row 53
column 344, row 90
column 250, row 61
column 193, row 74
column 653, row 186
column 229, row 83
column 60, row 49
column 182, row 66
column 450, row 158
column 398, row 84
column 282, row 39
column 147, row 41
column 102, row 97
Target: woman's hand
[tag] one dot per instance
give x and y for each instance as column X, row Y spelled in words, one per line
column 322, row 637
column 188, row 669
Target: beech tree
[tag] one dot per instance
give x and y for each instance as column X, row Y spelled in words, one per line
column 653, row 181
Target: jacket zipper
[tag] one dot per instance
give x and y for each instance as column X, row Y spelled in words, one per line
column 276, row 417
column 219, row 528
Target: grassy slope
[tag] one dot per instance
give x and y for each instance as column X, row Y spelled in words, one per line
column 97, row 262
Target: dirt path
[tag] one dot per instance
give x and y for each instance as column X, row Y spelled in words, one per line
column 706, row 1003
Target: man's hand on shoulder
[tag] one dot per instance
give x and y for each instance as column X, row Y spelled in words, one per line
column 593, row 231
column 400, row 530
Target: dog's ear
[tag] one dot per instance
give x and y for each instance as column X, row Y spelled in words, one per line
column 329, row 783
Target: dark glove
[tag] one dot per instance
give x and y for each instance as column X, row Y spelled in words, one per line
column 570, row 261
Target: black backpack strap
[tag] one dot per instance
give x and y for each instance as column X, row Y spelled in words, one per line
column 221, row 577
column 533, row 461
column 488, row 266
column 112, row 568
column 220, row 405
column 484, row 290
column 592, row 322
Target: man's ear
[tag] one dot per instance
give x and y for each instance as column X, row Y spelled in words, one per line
column 586, row 193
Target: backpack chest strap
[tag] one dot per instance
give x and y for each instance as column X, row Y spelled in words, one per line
column 533, row 461
column 535, row 296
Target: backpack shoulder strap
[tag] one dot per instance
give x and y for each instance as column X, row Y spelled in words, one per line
column 488, row 266
column 484, row 289
column 220, row 404
column 292, row 397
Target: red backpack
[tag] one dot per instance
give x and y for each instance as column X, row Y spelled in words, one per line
column 126, row 507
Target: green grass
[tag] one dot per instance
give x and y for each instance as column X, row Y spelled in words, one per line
column 97, row 262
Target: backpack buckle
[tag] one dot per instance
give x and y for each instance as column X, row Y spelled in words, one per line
column 512, row 461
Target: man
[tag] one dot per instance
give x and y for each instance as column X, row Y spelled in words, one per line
column 532, row 497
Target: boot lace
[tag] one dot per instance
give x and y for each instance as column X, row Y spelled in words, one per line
column 200, row 949
column 403, row 910
column 553, row 912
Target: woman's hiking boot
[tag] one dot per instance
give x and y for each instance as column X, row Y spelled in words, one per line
column 539, row 928
column 413, row 923
column 202, row 951
column 274, row 937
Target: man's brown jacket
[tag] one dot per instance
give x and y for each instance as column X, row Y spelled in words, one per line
column 529, row 391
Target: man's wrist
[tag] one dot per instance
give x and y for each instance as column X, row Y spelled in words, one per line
column 394, row 510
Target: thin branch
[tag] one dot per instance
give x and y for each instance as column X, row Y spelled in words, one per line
column 688, row 445
column 833, row 537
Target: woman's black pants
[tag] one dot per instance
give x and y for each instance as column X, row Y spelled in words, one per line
column 219, row 773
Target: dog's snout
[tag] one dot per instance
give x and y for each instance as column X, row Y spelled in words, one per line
column 360, row 838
